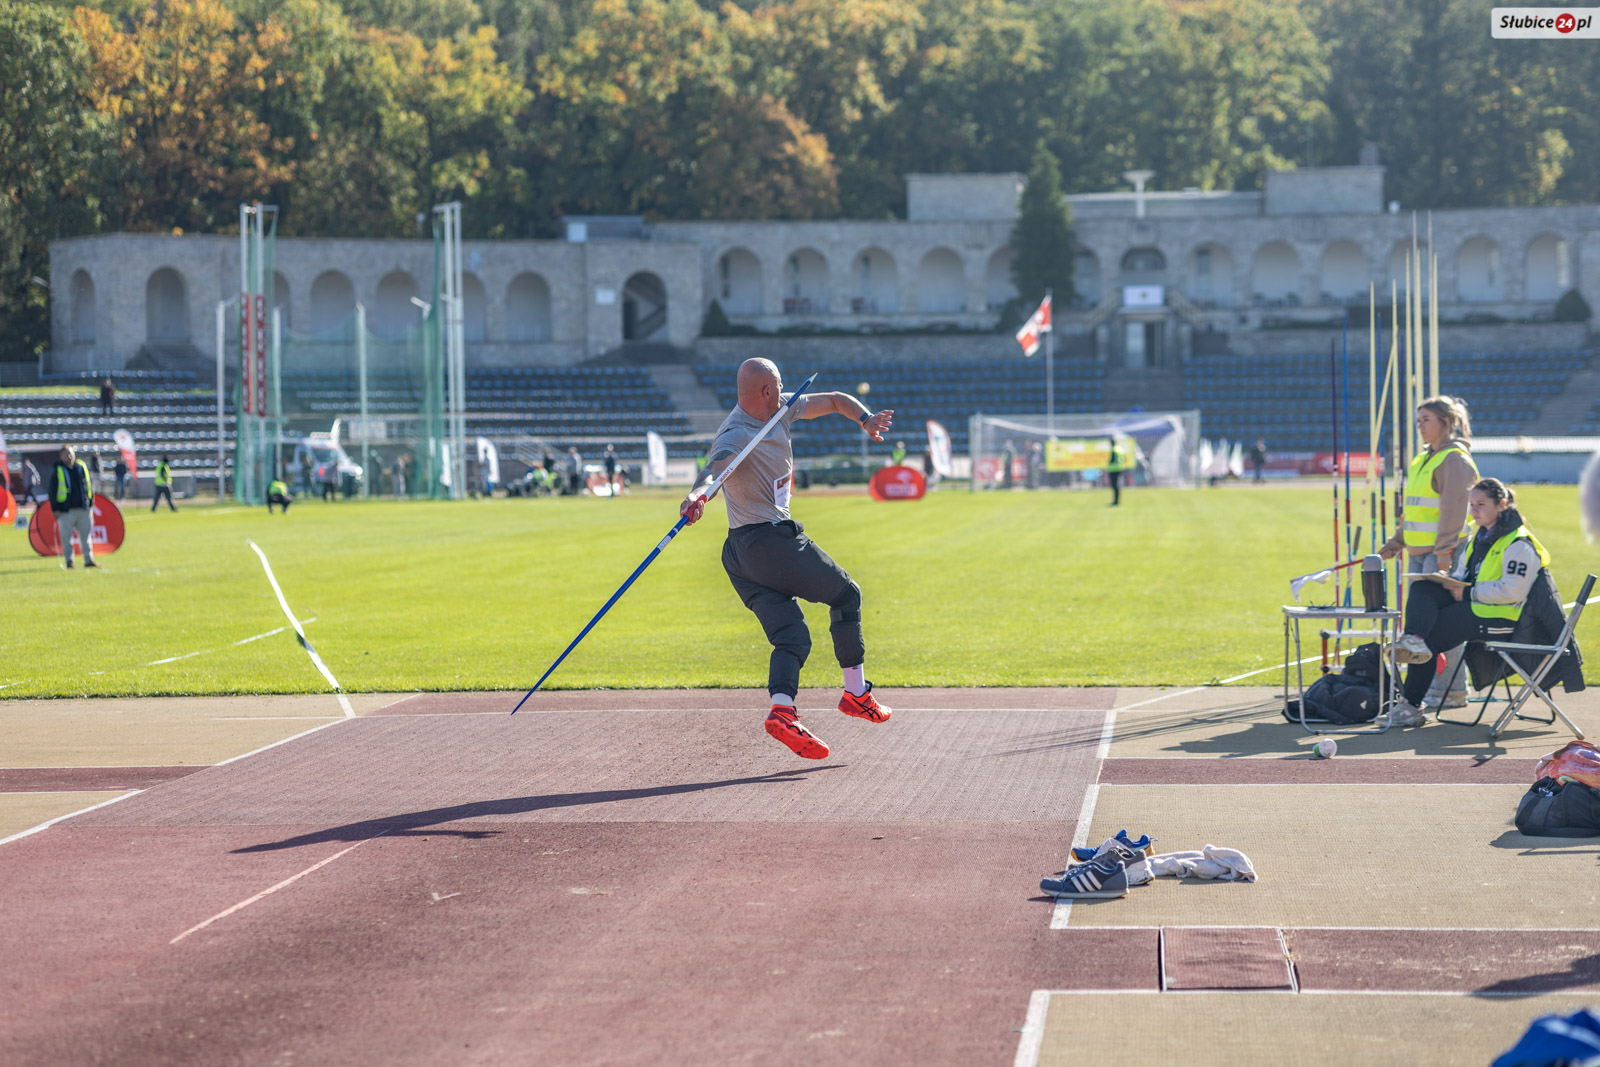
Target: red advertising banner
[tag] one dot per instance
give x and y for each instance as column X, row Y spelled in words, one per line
column 897, row 483
column 1333, row 463
column 261, row 354
column 247, row 362
column 106, row 530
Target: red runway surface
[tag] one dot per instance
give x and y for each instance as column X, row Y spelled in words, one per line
column 645, row 878
column 565, row 887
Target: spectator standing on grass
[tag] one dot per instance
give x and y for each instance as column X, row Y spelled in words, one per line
column 163, row 485
column 400, row 476
column 1258, row 459
column 611, row 470
column 121, row 471
column 305, row 468
column 278, row 493
column 94, row 470
column 71, row 497
column 1433, row 523
column 769, row 559
column 108, row 397
column 1008, row 461
column 574, row 471
column 30, row 481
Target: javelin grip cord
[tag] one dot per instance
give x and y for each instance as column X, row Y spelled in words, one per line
column 706, row 493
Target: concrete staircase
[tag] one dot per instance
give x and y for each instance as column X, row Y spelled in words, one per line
column 688, row 396
column 1566, row 410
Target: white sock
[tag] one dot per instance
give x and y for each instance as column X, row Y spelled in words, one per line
column 783, row 700
column 855, row 679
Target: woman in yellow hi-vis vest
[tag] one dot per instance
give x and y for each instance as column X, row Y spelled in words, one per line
column 1433, row 525
column 1481, row 597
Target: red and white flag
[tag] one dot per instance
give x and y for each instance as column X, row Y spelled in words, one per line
column 5, row 475
column 124, row 441
column 1038, row 323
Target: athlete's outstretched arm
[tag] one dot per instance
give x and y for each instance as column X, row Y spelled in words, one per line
column 876, row 423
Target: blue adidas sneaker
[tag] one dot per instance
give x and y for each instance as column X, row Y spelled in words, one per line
column 1103, row 877
column 1141, row 846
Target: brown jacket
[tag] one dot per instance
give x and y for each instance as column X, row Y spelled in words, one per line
column 1452, row 482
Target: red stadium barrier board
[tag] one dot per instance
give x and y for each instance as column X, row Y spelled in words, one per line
column 1333, row 463
column 106, row 532
column 897, row 483
column 8, row 507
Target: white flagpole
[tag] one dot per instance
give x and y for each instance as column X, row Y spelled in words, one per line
column 1049, row 370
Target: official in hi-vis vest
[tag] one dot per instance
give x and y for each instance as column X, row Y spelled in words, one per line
column 1117, row 462
column 163, row 485
column 1433, row 522
column 1491, row 583
column 72, row 502
column 278, row 493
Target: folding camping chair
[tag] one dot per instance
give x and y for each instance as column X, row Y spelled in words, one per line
column 1532, row 680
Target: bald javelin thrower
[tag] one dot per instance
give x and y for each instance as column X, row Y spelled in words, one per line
column 770, row 560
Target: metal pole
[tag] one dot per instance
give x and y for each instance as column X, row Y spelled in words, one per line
column 222, row 465
column 276, row 373
column 1050, row 370
column 259, row 295
column 458, row 339
column 361, row 365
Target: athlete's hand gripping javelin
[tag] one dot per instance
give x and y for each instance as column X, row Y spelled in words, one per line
column 761, row 395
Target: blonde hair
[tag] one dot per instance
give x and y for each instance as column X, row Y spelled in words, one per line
column 1452, row 411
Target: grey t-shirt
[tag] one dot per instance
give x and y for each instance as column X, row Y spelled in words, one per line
column 758, row 491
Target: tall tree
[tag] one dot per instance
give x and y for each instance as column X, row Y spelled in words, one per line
column 1041, row 240
column 52, row 148
column 644, row 112
column 184, row 87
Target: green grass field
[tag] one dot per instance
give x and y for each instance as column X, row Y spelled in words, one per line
column 989, row 589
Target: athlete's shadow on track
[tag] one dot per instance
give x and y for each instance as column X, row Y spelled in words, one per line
column 410, row 823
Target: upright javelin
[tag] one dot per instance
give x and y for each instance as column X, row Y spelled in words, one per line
column 706, row 492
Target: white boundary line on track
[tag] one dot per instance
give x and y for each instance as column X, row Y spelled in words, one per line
column 275, row 744
column 1397, row 929
column 1033, row 1029
column 61, row 818
column 316, row 660
column 1061, row 914
column 293, row 878
column 1301, row 993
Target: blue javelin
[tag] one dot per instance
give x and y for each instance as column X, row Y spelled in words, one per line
column 711, row 488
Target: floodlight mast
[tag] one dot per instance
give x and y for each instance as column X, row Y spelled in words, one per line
column 453, row 336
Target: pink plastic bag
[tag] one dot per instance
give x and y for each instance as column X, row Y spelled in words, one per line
column 1579, row 760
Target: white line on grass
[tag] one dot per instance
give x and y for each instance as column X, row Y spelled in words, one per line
column 273, row 889
column 1033, row 1029
column 316, row 660
column 59, row 818
column 186, row 655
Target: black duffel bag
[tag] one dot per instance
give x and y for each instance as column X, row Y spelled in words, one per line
column 1552, row 808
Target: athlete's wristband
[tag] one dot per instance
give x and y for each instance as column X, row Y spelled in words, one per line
column 865, row 415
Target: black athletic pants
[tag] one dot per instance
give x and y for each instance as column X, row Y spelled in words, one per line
column 1116, row 487
column 1443, row 622
column 162, row 491
column 279, row 498
column 771, row 564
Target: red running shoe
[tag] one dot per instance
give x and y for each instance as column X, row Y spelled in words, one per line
column 784, row 724
column 864, row 706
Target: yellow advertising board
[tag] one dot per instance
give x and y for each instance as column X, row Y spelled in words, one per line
column 1077, row 453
